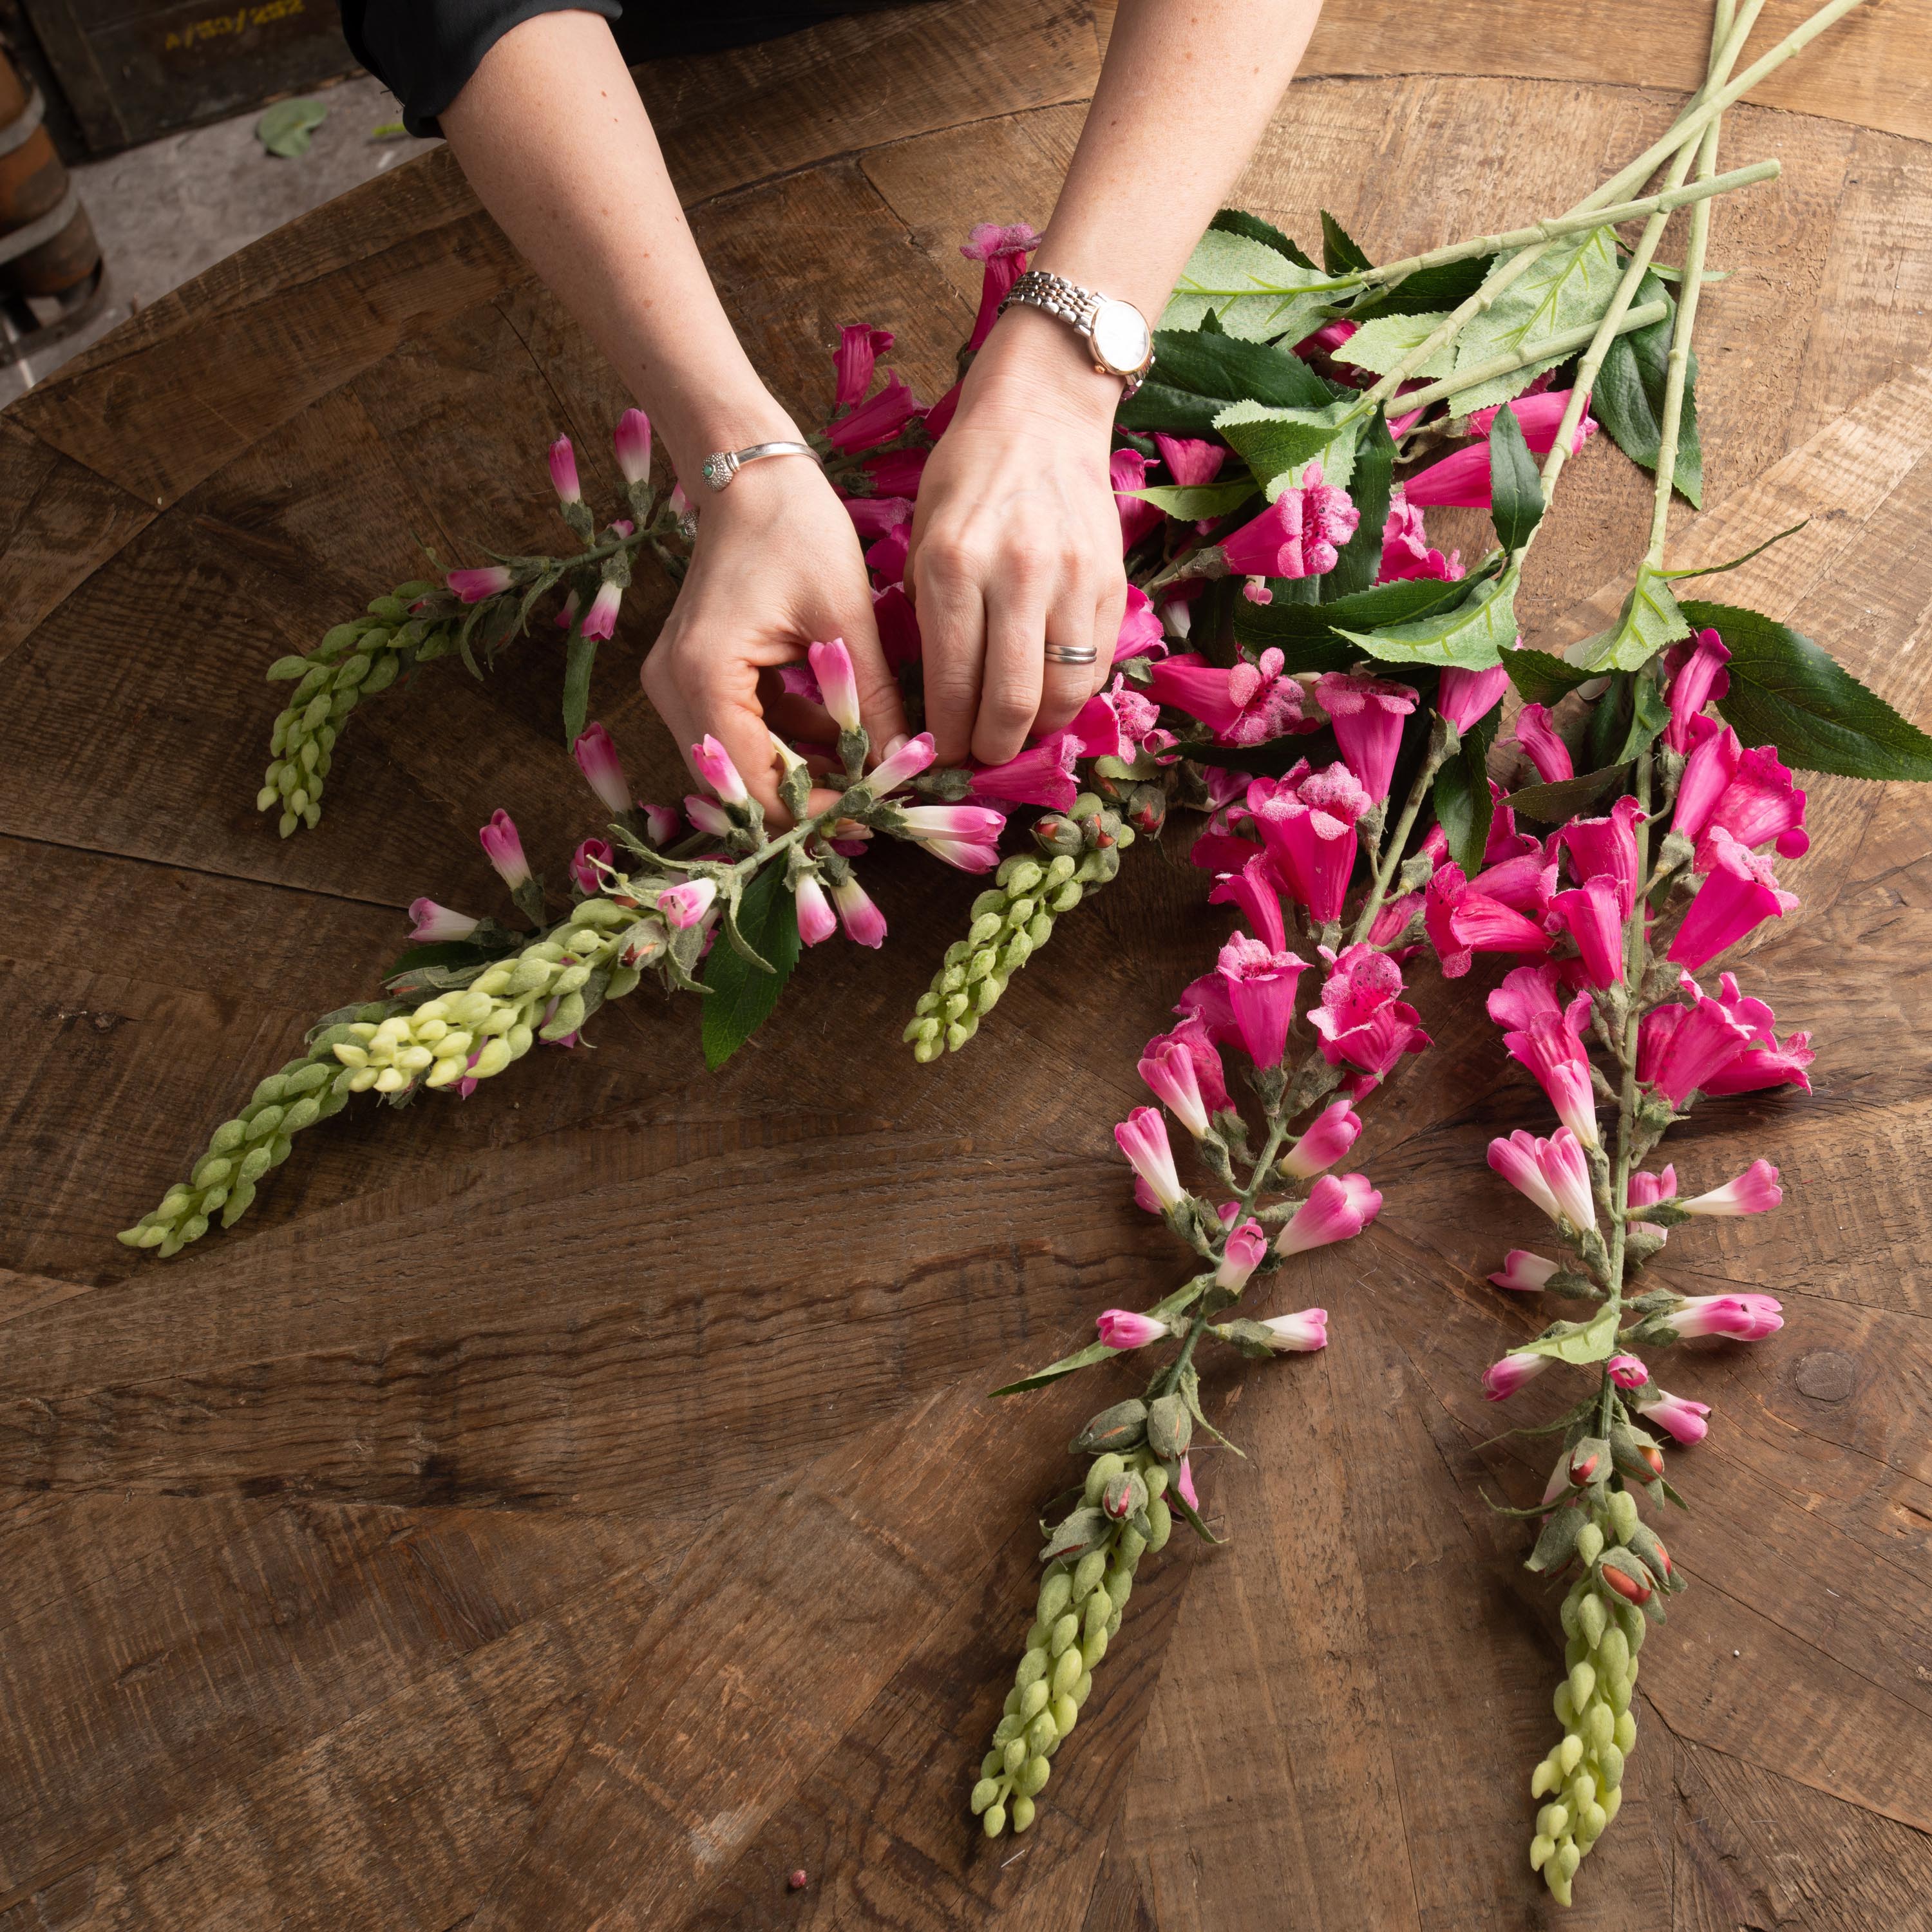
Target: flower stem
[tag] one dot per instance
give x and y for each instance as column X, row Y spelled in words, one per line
column 1391, row 855
column 1508, row 364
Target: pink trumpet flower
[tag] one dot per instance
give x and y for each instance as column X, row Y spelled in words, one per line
column 876, row 421
column 1252, row 889
column 1698, row 676
column 838, row 685
column 817, row 921
column 864, row 924
column 595, row 752
column 1761, row 1062
column 1042, row 774
column 1553, row 1173
column 1501, row 1380
column 1300, row 534
column 489, row 579
column 1606, row 846
column 1300, row 1334
column 1462, row 922
column 563, row 471
column 1646, row 1190
column 1126, row 471
column 1555, row 1056
column 1261, row 990
column 1678, row 1416
column 1310, row 833
column 1004, row 248
column 1359, row 1021
column 661, row 823
column 1524, row 1273
column 1244, row 1250
column 1593, row 917
column 505, row 849
column 1628, row 1372
column 905, row 761
column 1141, row 633
column 1367, row 713
column 1337, row 1209
column 430, row 923
column 1142, row 1138
column 1190, row 460
column 1740, row 894
column 1462, row 480
column 1539, row 417
column 1755, row 1191
column 715, row 768
column 1541, row 746
column 1168, row 1070
column 860, row 346
column 1464, row 696
column 600, row 621
column 1121, row 1329
column 1245, row 703
column 684, row 905
column 1406, row 552
column 1741, row 1318
column 1328, row 1140
column 964, row 835
column 1680, row 1049
column 1184, row 1481
column 1531, row 990
column 631, row 443
column 1192, row 1037
column 708, row 815
column 1751, row 795
column 591, row 864
column 1525, row 883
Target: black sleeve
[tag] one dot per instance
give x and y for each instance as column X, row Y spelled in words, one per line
column 424, row 51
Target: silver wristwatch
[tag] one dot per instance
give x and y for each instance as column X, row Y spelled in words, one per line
column 1116, row 333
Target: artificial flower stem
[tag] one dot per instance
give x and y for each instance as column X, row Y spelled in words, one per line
column 1635, row 970
column 1391, row 855
column 1560, row 345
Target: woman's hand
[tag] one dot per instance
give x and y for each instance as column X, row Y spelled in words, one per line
column 1016, row 544
column 776, row 566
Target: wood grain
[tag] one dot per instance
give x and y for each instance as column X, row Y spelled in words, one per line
column 577, row 1507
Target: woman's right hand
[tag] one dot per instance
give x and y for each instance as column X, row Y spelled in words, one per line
column 776, row 566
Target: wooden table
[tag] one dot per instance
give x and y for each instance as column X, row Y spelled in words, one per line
column 580, row 1507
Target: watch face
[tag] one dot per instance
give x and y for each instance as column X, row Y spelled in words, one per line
column 1120, row 338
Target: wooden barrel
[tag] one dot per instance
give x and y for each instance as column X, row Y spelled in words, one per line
column 46, row 242
column 581, row 1506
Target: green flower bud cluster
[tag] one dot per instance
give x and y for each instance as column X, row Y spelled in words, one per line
column 1014, row 918
column 1581, row 1781
column 1082, row 1597
column 353, row 661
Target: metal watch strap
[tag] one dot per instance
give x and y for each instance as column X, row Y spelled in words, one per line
column 1069, row 302
column 723, row 464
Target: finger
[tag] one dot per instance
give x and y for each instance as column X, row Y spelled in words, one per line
column 1065, row 687
column 952, row 630
column 725, row 706
column 667, row 698
column 1010, row 690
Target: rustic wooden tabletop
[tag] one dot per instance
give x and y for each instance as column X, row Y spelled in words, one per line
column 580, row 1507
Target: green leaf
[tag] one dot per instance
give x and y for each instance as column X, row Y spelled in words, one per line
column 1568, row 286
column 740, row 997
column 1339, row 254
column 1471, row 635
column 1624, row 722
column 1564, row 798
column 1649, row 619
column 579, row 655
column 1310, row 637
column 1628, row 397
column 1276, row 443
column 1239, row 221
column 1787, row 693
column 1080, row 1358
column 285, row 128
column 1578, row 1341
column 1156, row 405
column 1361, row 560
column 1463, row 806
column 1381, row 345
column 1443, row 288
column 1194, row 502
column 1255, row 292
column 1540, row 678
column 1516, row 490
column 1718, row 569
column 1236, row 371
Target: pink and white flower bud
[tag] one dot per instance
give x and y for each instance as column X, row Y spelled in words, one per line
column 832, row 665
column 505, row 849
column 684, row 905
column 1121, row 1328
column 595, row 752
column 1676, row 1415
column 563, row 471
column 601, row 620
column 1501, row 1380
column 1742, row 1317
column 631, row 443
column 864, row 924
column 905, row 759
column 1553, row 1173
column 1142, row 1138
column 817, row 921
column 430, row 922
column 1184, row 1481
column 1524, row 1273
column 1628, row 1372
column 1300, row 1334
column 1333, row 1133
column 661, row 823
column 591, row 865
column 715, row 768
column 1755, row 1191
column 708, row 815
column 1337, row 1209
column 1552, row 1052
column 1169, row 1073
column 489, row 579
column 1244, row 1251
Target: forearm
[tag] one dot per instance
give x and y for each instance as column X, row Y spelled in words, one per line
column 552, row 136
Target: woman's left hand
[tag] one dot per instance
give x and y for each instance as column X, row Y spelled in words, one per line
column 1016, row 544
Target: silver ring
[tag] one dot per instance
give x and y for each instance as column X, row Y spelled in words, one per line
column 1072, row 654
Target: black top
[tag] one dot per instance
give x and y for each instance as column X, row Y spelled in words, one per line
column 424, row 51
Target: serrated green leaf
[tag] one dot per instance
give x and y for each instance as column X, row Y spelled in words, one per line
column 1471, row 635
column 1569, row 286
column 1578, row 1341
column 1276, row 444
column 1194, row 502
column 1564, row 798
column 1463, row 806
column 1628, row 397
column 1239, row 221
column 1360, row 561
column 1624, row 721
column 1381, row 344
column 1649, row 619
column 1540, row 678
column 1339, row 254
column 1718, row 569
column 740, row 997
column 1254, row 291
column 1080, row 1358
column 579, row 654
column 1788, row 693
column 1310, row 637
column 1160, row 406
column 1516, row 490
column 1236, row 371
column 1443, row 288
column 285, row 128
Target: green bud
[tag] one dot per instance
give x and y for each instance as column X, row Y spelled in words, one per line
column 1569, row 1755
column 1132, row 1544
column 1067, row 1672
column 1599, row 1728
column 1613, row 1657
column 1099, row 1608
column 992, row 1764
column 1030, row 1779
column 994, row 1822
column 1014, row 1756
column 1582, row 1681
column 1032, row 1668
column 1084, row 1689
column 1624, row 1517
column 240, row 1197
column 1055, row 1594
column 1625, row 1733
column 1610, row 1766
column 984, row 930
column 1591, row 1617
column 304, row 1114
column 1120, row 1586
column 1064, row 898
column 1019, row 875
column 211, row 1170
column 1043, row 1733
column 1007, row 1729
column 1087, row 1573
column 1160, row 1523
column 1546, row 1777
column 1023, row 1810
column 1066, row 1715
column 1589, row 1544
column 1065, row 1632
column 1101, row 1472
column 984, row 1792
column 255, row 1163
column 1040, row 929
column 1092, row 1648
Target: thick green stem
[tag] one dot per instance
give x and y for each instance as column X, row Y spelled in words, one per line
column 1508, row 364
column 1636, row 963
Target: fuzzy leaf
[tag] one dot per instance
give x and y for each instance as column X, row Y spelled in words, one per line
column 1578, row 1341
column 1077, row 1533
column 1558, row 1542
column 285, row 128
column 1080, row 1358
column 1276, row 443
column 579, row 655
column 1254, row 291
column 1381, row 344
column 1628, row 397
column 1649, row 619
column 739, row 996
column 1516, row 490
column 1788, row 693
column 1569, row 286
column 1471, row 635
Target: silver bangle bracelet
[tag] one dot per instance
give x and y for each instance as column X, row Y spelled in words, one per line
column 723, row 464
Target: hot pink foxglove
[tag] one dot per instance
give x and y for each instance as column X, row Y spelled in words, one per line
column 1261, row 991
column 816, row 921
column 1740, row 894
column 1337, row 1209
column 1188, row 461
column 1628, row 1372
column 1246, row 704
column 1328, row 1140
column 1605, row 847
column 595, row 752
column 875, row 420
column 489, row 580
column 1168, row 1069
column 1750, row 794
column 1244, row 1250
column 1464, row 696
column 563, row 471
column 1127, row 470
column 1462, row 922
column 864, row 924
column 430, row 923
column 1042, row 774
column 1524, row 1273
column 1141, row 634
column 1539, row 417
column 1462, row 481
column 1541, row 746
column 1755, row 1191
column 1298, row 1334
column 661, row 824
column 1004, row 248
column 964, row 835
column 1406, row 551
column 860, row 346
column 1531, row 990
column 1121, row 1328
column 631, row 441
column 1310, row 832
column 1680, row 1049
column 505, row 849
column 591, row 865
column 1743, row 1318
column 1193, row 1038
column 1552, row 1174
column 708, row 815
column 1142, row 1138
column 1555, row 1056
column 1300, row 534
column 1360, row 1020
column 838, row 685
column 1676, row 1415
column 905, row 761
column 1698, row 676
column 1367, row 714
column 1254, row 890
column 1593, row 917
column 1501, row 1380
column 1763, row 1062
column 715, row 768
